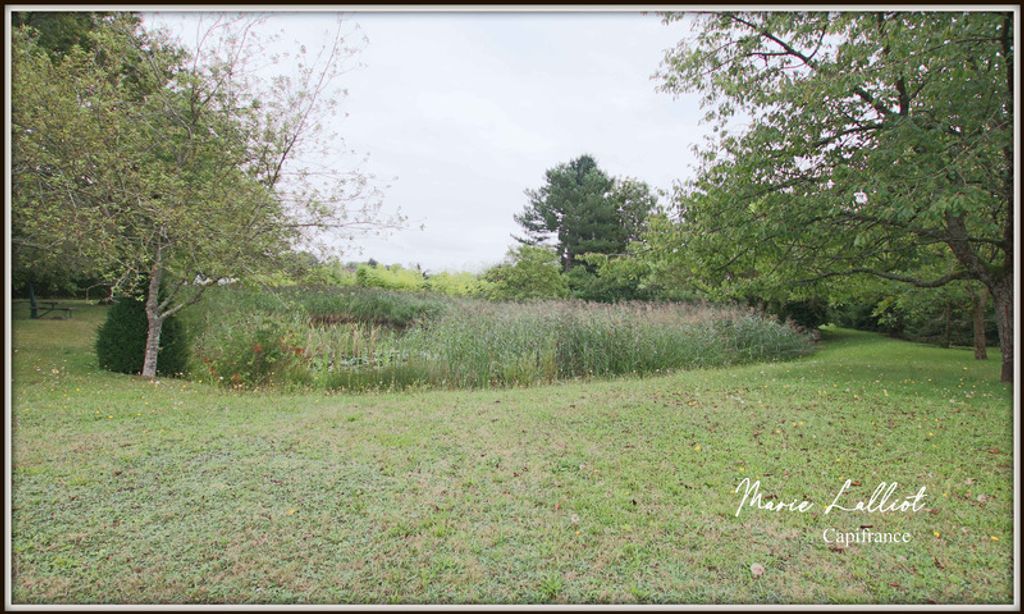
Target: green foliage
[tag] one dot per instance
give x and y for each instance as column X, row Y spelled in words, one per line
column 808, row 313
column 371, row 339
column 878, row 144
column 391, row 309
column 610, row 279
column 392, row 277
column 330, row 273
column 58, row 31
column 121, row 341
column 941, row 316
column 457, row 284
column 135, row 155
column 68, row 83
column 304, row 335
column 857, row 314
column 529, row 272
column 300, row 269
column 250, row 354
column 580, row 209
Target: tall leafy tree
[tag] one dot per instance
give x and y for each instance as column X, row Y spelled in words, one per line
column 878, row 141
column 198, row 179
column 57, row 33
column 580, row 209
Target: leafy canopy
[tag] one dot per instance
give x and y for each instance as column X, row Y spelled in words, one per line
column 875, row 138
column 879, row 144
column 580, row 209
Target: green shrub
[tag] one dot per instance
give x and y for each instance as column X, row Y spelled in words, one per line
column 859, row 314
column 252, row 356
column 121, row 341
column 529, row 272
column 807, row 313
column 392, row 277
column 456, row 284
column 610, row 279
column 939, row 316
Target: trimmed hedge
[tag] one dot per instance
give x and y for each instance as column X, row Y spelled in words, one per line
column 121, row 341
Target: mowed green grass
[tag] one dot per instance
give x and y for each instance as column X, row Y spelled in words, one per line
column 585, row 492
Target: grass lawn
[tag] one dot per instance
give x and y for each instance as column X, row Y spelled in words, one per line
column 609, row 491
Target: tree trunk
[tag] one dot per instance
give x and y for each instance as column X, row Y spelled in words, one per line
column 979, row 300
column 154, row 320
column 33, row 307
column 1002, row 299
column 947, row 331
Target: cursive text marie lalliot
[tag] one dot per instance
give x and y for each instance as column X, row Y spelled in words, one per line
column 878, row 502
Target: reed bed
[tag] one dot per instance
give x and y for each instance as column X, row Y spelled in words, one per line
column 351, row 339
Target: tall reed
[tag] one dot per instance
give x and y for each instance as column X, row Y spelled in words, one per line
column 377, row 340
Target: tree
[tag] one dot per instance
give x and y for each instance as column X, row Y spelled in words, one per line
column 614, row 278
column 979, row 305
column 201, row 178
column 634, row 201
column 582, row 210
column 878, row 142
column 59, row 31
column 39, row 265
column 529, row 272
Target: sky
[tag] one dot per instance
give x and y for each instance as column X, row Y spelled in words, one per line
column 459, row 113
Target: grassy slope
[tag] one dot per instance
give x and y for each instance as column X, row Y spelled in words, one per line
column 615, row 491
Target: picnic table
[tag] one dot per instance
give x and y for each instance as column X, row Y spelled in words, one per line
column 50, row 306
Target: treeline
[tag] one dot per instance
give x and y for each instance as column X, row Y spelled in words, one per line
column 592, row 237
column 872, row 186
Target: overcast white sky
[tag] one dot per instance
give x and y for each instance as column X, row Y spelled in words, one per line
column 467, row 110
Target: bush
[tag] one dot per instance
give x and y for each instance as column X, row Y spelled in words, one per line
column 808, row 313
column 456, row 284
column 253, row 354
column 529, row 272
column 939, row 316
column 859, row 314
column 121, row 341
column 609, row 279
column 392, row 277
